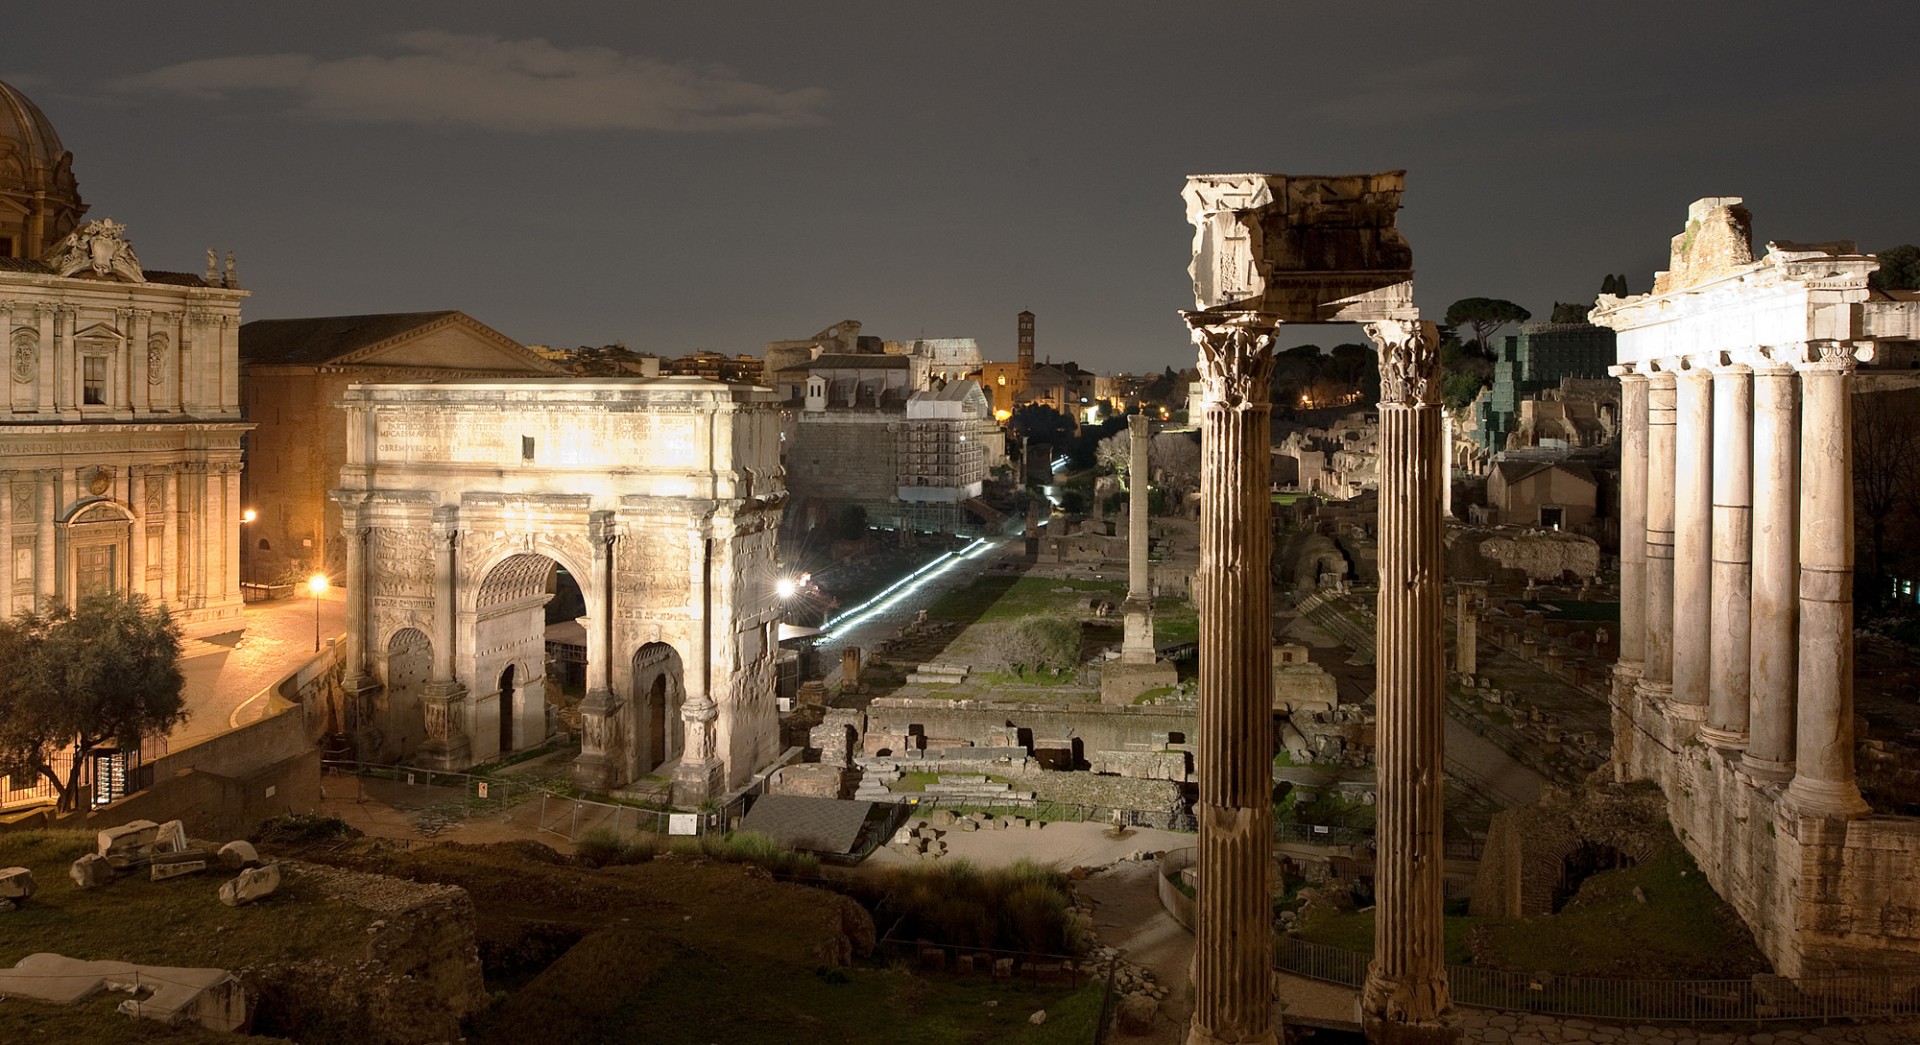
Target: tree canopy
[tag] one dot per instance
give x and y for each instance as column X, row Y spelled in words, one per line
column 1485, row 317
column 76, row 681
column 1899, row 269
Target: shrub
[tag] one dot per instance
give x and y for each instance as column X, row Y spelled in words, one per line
column 605, row 847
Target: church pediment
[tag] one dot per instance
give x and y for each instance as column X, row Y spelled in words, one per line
column 456, row 342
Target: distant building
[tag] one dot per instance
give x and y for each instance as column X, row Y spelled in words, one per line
column 742, row 369
column 292, row 375
column 886, row 427
column 1539, row 358
column 1548, row 494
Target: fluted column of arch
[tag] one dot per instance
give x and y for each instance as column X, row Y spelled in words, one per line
column 1406, row 999
column 446, row 746
column 1233, row 936
column 601, row 749
column 1823, row 776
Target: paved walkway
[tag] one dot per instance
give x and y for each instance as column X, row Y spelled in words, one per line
column 226, row 673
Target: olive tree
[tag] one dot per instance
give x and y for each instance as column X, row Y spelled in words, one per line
column 104, row 673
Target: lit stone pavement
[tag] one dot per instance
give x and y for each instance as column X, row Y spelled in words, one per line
column 225, row 673
column 884, row 624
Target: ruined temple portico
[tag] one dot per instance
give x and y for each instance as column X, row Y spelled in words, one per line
column 1734, row 689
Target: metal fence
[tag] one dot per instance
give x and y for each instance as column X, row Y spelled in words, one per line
column 1758, row 999
column 572, row 817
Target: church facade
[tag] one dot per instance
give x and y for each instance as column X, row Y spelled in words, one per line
column 120, row 427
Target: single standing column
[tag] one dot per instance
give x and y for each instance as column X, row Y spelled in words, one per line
column 1136, row 645
column 1233, row 934
column 1823, row 783
column 1656, row 674
column 601, row 765
column 1692, row 542
column 353, row 531
column 701, row 775
column 446, row 746
column 1774, row 653
column 1405, row 999
column 1633, row 565
column 1732, row 556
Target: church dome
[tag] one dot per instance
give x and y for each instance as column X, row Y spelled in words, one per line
column 39, row 200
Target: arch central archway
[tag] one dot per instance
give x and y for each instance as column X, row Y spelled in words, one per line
column 510, row 641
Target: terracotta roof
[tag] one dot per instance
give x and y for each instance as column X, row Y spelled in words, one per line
column 319, row 339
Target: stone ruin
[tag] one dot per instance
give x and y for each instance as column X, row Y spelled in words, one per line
column 1535, row 855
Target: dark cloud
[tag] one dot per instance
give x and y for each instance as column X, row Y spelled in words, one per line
column 485, row 82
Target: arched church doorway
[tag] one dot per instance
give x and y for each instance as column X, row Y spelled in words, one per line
column 511, row 635
column 657, row 693
column 409, row 664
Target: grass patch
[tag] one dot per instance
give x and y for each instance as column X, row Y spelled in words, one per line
column 617, row 981
column 1175, row 621
column 1023, row 907
column 1353, row 931
column 1155, row 694
column 1010, row 598
column 180, row 922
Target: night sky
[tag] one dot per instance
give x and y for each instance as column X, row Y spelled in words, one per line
column 714, row 175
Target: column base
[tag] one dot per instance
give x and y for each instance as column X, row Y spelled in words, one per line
column 1680, row 712
column 1766, row 769
column 1724, row 739
column 444, row 754
column 1809, row 797
column 697, row 783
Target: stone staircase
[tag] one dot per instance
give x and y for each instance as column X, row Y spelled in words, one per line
column 1352, row 624
column 976, row 790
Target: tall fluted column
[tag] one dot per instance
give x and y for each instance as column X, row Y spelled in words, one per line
column 601, row 765
column 1823, row 781
column 1692, row 542
column 701, row 775
column 1233, row 935
column 1633, row 565
column 1656, row 673
column 1774, row 652
column 48, row 585
column 441, row 697
column 358, row 687
column 1136, row 646
column 1732, row 556
column 1406, row 998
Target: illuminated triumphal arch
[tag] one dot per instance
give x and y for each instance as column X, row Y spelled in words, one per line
column 470, row 505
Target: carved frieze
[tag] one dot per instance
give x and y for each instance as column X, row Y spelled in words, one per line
column 402, row 561
column 652, row 571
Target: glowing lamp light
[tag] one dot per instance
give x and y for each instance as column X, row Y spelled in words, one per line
column 1002, row 415
column 786, row 587
column 317, row 584
column 249, row 515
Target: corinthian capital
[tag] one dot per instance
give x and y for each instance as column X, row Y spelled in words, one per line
column 1236, row 356
column 1409, row 361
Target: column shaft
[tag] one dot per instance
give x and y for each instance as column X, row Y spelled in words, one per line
column 354, row 653
column 1657, row 664
column 1633, row 519
column 1692, row 542
column 49, row 587
column 1406, row 997
column 1233, row 945
column 1732, row 556
column 1774, row 653
column 1823, row 782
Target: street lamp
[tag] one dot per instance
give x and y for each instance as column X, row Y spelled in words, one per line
column 317, row 584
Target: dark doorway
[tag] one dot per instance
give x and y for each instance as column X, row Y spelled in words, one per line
column 657, row 724
column 506, row 710
column 1586, row 860
column 1552, row 518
